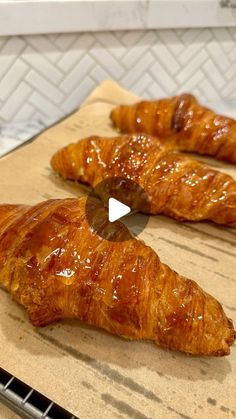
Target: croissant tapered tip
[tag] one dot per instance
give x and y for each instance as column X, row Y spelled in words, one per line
column 228, row 340
column 59, row 162
column 227, row 343
column 54, row 161
column 115, row 115
column 232, row 333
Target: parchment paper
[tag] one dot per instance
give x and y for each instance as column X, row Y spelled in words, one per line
column 88, row 371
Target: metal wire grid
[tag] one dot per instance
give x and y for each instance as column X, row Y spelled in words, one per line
column 27, row 402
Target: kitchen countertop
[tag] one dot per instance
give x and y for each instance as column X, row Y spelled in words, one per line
column 51, row 16
column 15, row 134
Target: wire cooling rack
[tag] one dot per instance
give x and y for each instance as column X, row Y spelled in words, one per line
column 27, row 402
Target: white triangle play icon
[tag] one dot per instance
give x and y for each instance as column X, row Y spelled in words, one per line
column 116, row 209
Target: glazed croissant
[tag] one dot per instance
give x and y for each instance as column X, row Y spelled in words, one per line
column 53, row 264
column 176, row 185
column 183, row 123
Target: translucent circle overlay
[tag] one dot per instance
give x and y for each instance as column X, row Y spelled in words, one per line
column 129, row 193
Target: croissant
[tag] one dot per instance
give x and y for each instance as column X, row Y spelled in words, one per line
column 54, row 264
column 183, row 123
column 176, row 185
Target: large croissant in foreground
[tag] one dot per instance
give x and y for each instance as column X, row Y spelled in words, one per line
column 53, row 264
column 183, row 123
column 176, row 185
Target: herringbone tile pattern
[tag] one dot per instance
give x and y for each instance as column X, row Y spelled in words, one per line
column 46, row 77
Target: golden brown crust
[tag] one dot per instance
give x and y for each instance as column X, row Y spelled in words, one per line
column 183, row 123
column 177, row 185
column 56, row 267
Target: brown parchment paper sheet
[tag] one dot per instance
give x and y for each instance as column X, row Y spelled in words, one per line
column 88, row 371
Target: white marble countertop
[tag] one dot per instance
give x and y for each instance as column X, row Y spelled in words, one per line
column 15, row 134
column 50, row 16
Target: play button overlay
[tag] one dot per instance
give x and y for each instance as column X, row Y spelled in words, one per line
column 116, row 202
column 116, row 210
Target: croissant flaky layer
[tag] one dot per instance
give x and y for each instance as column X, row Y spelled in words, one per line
column 183, row 123
column 57, row 267
column 175, row 185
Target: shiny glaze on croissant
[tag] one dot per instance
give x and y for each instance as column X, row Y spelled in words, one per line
column 53, row 264
column 176, row 185
column 183, row 123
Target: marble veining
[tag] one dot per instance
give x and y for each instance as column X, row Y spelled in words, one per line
column 37, row 16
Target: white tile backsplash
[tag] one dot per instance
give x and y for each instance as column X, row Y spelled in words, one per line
column 47, row 76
